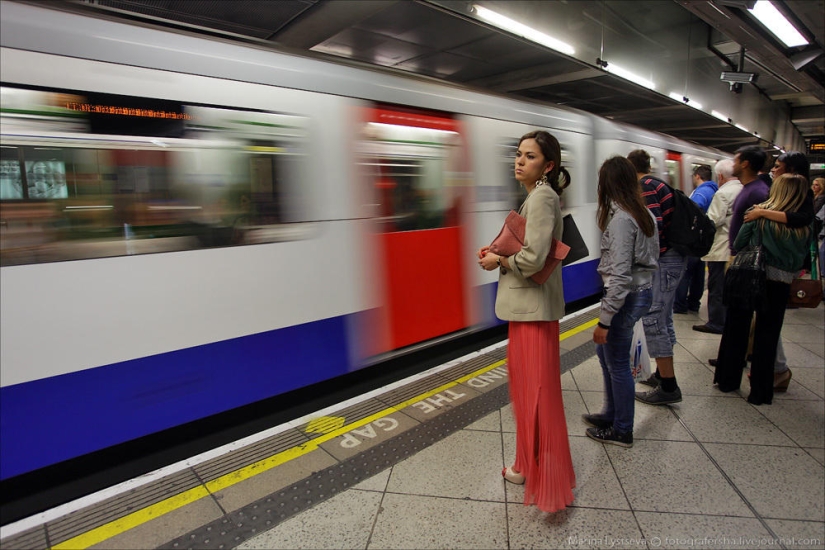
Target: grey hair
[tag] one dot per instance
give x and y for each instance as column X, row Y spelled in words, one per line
column 724, row 168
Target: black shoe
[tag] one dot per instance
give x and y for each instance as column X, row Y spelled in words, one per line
column 707, row 329
column 713, row 362
column 679, row 310
column 653, row 381
column 609, row 435
column 597, row 421
column 660, row 396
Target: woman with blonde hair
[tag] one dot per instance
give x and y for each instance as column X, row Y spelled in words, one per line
column 785, row 249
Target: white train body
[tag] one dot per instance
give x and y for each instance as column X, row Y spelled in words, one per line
column 104, row 341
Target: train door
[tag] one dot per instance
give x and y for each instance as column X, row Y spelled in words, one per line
column 673, row 168
column 414, row 163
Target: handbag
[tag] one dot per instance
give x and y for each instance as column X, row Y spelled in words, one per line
column 807, row 292
column 745, row 279
column 511, row 238
column 572, row 238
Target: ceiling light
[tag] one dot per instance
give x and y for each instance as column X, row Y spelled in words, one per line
column 627, row 75
column 720, row 116
column 734, row 77
column 778, row 24
column 523, row 30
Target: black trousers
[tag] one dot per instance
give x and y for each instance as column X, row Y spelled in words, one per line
column 733, row 348
column 716, row 284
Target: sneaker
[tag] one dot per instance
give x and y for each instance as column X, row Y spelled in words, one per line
column 660, row 396
column 597, row 421
column 653, row 381
column 609, row 435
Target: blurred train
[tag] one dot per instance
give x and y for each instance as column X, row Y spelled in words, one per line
column 190, row 225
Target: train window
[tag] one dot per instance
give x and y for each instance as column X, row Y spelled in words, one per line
column 11, row 176
column 226, row 177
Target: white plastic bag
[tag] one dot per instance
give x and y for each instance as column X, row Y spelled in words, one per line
column 639, row 358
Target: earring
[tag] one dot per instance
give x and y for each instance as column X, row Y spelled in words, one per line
column 542, row 181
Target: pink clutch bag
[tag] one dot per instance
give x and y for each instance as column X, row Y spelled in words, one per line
column 511, row 238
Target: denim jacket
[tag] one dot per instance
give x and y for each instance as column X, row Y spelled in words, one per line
column 629, row 259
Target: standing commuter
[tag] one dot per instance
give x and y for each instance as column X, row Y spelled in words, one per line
column 629, row 255
column 818, row 188
column 785, row 249
column 658, row 323
column 543, row 462
column 720, row 212
column 792, row 162
column 692, row 286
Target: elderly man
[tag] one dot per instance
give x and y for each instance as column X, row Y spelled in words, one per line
column 721, row 212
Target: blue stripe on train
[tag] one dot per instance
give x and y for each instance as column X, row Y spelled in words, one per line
column 47, row 421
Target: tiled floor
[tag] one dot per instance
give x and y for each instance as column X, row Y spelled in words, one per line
column 710, row 472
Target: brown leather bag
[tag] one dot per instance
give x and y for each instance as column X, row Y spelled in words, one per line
column 807, row 292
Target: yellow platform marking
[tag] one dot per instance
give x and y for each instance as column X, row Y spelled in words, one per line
column 325, row 424
column 144, row 515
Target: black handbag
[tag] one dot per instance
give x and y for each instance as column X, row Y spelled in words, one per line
column 745, row 278
column 572, row 238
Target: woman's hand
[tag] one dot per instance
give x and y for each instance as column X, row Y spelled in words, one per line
column 600, row 335
column 483, row 251
column 489, row 261
column 754, row 213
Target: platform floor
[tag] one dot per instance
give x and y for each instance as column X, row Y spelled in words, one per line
column 418, row 465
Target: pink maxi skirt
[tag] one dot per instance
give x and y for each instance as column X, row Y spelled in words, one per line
column 542, row 447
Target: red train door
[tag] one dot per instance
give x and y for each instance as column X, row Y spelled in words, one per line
column 415, row 163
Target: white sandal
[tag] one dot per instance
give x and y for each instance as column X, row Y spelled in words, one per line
column 512, row 476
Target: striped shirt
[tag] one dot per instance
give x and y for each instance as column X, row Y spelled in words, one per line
column 659, row 200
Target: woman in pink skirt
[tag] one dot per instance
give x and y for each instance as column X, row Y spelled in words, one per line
column 542, row 463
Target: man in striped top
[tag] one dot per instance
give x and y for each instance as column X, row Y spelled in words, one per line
column 658, row 323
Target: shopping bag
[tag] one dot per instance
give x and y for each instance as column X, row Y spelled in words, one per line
column 639, row 358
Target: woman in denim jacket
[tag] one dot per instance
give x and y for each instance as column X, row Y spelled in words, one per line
column 630, row 252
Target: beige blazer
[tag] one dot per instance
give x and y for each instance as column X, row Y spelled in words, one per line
column 518, row 298
column 721, row 212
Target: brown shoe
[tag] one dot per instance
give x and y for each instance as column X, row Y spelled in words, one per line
column 781, row 381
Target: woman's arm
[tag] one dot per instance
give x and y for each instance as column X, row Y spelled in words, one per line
column 801, row 218
column 744, row 236
column 540, row 213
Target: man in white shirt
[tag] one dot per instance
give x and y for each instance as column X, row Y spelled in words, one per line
column 721, row 212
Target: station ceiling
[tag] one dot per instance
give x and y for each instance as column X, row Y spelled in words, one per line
column 444, row 39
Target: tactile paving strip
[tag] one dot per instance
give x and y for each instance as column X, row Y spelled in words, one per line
column 266, row 513
column 229, row 462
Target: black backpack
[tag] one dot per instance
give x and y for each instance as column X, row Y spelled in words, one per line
column 691, row 231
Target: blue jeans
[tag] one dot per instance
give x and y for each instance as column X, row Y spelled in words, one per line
column 691, row 286
column 659, row 320
column 614, row 357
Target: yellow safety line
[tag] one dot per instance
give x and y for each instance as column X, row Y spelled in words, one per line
column 135, row 519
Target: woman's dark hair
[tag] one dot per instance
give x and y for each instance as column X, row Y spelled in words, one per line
column 796, row 163
column 617, row 182
column 551, row 150
column 640, row 159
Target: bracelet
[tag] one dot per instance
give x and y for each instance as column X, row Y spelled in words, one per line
column 602, row 325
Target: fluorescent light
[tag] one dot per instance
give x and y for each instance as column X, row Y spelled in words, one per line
column 741, row 127
column 719, row 115
column 523, row 30
column 683, row 99
column 627, row 75
column 780, row 27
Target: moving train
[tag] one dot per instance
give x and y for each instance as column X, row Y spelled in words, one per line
column 191, row 225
